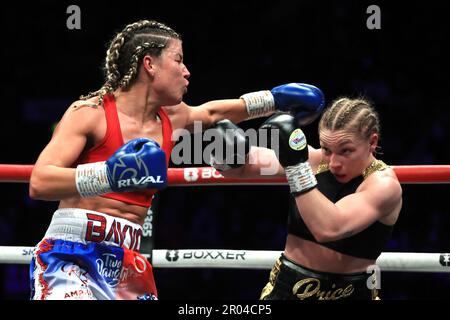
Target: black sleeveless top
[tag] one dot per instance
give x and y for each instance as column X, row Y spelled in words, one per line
column 367, row 244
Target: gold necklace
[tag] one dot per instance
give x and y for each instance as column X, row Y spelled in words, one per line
column 376, row 165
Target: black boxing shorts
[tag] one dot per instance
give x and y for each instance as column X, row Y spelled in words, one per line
column 290, row 281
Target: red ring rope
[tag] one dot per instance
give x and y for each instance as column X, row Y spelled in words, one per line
column 208, row 175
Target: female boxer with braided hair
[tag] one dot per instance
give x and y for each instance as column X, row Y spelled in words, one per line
column 345, row 203
column 109, row 155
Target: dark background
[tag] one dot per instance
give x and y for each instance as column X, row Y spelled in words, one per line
column 232, row 48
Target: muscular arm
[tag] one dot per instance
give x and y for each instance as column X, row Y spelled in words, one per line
column 306, row 101
column 184, row 116
column 329, row 222
column 52, row 178
column 214, row 111
column 261, row 163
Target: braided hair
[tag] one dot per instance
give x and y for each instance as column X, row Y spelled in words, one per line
column 354, row 115
column 126, row 50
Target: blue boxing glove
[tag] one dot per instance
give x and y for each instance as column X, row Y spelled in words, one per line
column 304, row 101
column 139, row 163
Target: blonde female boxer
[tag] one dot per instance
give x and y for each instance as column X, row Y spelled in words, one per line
column 345, row 203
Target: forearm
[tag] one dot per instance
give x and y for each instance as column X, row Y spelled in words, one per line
column 234, row 110
column 261, row 163
column 252, row 171
column 321, row 216
column 49, row 182
column 304, row 100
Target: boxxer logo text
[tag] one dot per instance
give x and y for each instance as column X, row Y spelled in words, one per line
column 224, row 255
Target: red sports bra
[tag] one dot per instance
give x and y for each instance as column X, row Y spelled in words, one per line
column 113, row 140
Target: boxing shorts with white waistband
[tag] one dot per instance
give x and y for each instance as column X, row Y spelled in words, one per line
column 88, row 255
column 291, row 281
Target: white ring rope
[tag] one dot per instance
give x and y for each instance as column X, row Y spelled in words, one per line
column 254, row 259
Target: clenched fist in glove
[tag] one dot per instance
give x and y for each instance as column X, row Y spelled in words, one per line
column 306, row 102
column 293, row 153
column 139, row 163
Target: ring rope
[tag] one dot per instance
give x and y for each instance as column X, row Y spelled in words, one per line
column 209, row 176
column 253, row 259
column 248, row 259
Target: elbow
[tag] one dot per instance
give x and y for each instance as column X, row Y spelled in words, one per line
column 34, row 189
column 323, row 235
column 37, row 190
